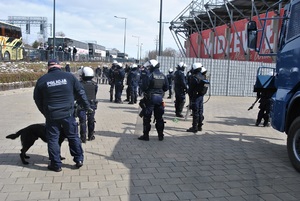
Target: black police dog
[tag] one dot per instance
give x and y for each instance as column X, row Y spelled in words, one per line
column 29, row 135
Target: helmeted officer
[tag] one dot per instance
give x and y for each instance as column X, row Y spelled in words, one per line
column 153, row 86
column 170, row 78
column 144, row 71
column 128, row 92
column 264, row 107
column 196, row 97
column 91, row 89
column 180, row 88
column 111, row 79
column 119, row 75
column 133, row 81
column 54, row 95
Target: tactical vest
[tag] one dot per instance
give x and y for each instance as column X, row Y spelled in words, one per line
column 158, row 81
column 202, row 84
column 89, row 88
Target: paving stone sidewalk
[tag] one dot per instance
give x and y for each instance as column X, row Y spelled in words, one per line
column 230, row 160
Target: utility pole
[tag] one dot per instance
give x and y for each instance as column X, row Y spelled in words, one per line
column 160, row 28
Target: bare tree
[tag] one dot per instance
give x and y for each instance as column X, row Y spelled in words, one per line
column 168, row 52
column 60, row 33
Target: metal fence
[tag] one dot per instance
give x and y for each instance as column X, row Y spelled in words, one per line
column 227, row 77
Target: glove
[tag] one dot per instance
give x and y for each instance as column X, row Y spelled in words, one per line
column 90, row 111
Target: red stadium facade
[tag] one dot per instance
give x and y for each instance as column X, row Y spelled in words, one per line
column 230, row 42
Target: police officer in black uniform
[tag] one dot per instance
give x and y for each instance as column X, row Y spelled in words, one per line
column 91, row 89
column 196, row 97
column 144, row 72
column 264, row 107
column 180, row 88
column 119, row 75
column 54, row 95
column 111, row 79
column 153, row 86
column 133, row 81
column 170, row 78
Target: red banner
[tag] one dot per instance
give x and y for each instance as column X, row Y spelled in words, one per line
column 216, row 44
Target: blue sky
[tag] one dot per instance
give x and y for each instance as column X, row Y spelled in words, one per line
column 93, row 20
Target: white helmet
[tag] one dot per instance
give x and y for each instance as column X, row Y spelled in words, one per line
column 120, row 65
column 152, row 64
column 203, row 70
column 87, row 73
column 133, row 66
column 196, row 66
column 181, row 65
column 171, row 70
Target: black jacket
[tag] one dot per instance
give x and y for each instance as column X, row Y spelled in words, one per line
column 55, row 94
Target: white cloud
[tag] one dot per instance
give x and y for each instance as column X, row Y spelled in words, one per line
column 94, row 20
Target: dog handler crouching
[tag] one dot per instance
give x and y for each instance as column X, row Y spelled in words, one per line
column 54, row 95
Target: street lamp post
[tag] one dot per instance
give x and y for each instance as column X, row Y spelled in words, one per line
column 141, row 52
column 138, row 46
column 160, row 24
column 54, row 29
column 124, row 18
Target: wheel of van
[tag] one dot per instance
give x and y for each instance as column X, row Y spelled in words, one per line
column 6, row 56
column 293, row 144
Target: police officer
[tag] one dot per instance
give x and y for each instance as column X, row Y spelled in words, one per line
column 264, row 107
column 170, row 78
column 128, row 92
column 153, row 86
column 91, row 89
column 119, row 75
column 196, row 97
column 54, row 95
column 111, row 79
column 144, row 72
column 98, row 75
column 133, row 81
column 180, row 88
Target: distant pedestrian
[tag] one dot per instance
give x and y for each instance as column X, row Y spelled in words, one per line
column 74, row 53
column 67, row 67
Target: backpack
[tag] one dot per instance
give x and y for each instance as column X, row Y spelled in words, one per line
column 202, row 85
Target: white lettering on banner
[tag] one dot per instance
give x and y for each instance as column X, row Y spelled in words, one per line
column 208, row 45
column 56, row 83
column 221, row 44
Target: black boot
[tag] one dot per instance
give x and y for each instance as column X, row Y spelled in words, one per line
column 179, row 115
column 192, row 129
column 160, row 136
column 144, row 137
column 91, row 136
column 83, row 137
